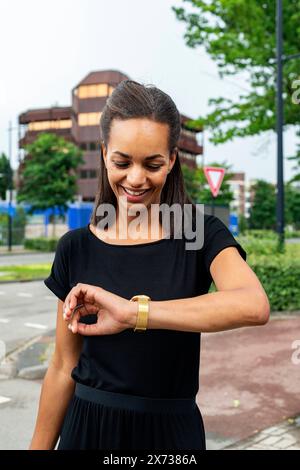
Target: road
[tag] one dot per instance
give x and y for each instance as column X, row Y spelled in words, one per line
column 26, row 258
column 27, row 309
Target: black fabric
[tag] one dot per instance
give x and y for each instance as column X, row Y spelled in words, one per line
column 58, row 281
column 132, row 402
column 155, row 363
column 92, row 426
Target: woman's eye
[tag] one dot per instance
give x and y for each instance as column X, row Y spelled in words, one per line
column 154, row 167
column 121, row 165
column 151, row 167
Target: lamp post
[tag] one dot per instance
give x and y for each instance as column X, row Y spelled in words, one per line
column 279, row 126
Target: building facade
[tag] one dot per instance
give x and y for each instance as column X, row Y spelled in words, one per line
column 237, row 185
column 243, row 192
column 79, row 123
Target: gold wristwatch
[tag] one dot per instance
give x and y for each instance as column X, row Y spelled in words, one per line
column 143, row 311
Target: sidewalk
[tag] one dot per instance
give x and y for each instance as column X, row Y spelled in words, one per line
column 15, row 249
column 284, row 436
column 249, row 382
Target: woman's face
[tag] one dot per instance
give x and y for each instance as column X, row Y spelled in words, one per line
column 129, row 167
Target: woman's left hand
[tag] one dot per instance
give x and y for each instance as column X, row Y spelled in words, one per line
column 114, row 313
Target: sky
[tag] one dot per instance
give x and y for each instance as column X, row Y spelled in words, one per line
column 48, row 47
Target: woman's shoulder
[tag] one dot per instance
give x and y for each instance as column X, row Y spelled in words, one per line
column 204, row 223
column 72, row 237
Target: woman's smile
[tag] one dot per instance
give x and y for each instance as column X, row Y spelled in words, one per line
column 134, row 196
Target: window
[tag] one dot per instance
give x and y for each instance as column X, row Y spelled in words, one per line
column 89, row 119
column 43, row 125
column 85, row 174
column 92, row 91
column 89, row 146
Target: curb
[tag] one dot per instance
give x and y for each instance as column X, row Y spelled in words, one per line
column 21, row 280
column 31, row 360
column 33, row 372
column 14, row 253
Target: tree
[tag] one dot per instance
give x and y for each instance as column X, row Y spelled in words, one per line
column 292, row 205
column 198, row 189
column 262, row 210
column 6, row 175
column 239, row 35
column 49, row 178
column 242, row 223
column 191, row 182
column 296, row 159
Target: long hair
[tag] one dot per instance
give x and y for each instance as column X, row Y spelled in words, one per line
column 131, row 99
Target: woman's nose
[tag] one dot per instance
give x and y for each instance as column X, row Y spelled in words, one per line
column 136, row 177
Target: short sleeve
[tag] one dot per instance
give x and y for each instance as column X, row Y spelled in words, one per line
column 217, row 237
column 58, row 280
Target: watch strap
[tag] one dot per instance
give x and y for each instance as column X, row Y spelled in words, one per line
column 143, row 311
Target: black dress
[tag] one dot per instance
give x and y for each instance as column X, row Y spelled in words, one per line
column 154, row 365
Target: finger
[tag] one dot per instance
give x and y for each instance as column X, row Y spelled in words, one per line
column 81, row 293
column 79, row 311
column 88, row 330
column 85, row 292
column 74, row 297
column 68, row 312
column 66, row 307
column 76, row 313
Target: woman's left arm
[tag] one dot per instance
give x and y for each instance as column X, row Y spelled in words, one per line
column 240, row 301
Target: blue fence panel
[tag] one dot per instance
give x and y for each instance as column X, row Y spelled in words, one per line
column 79, row 214
column 234, row 224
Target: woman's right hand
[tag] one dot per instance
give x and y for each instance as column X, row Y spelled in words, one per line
column 114, row 313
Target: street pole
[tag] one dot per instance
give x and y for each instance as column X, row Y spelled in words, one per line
column 279, row 126
column 213, row 206
column 10, row 189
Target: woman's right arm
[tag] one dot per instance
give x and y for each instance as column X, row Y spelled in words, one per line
column 58, row 386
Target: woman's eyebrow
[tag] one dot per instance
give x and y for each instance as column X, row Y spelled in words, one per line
column 122, row 154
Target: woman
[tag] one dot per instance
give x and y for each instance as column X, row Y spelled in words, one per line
column 125, row 376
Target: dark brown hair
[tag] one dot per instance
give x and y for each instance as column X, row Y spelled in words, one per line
column 129, row 100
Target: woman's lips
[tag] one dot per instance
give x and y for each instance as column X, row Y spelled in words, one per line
column 132, row 198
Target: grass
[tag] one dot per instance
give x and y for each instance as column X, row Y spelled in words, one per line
column 24, row 272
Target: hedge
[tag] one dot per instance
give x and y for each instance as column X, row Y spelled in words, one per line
column 279, row 273
column 280, row 278
column 41, row 244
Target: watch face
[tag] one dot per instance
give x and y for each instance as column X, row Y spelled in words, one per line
column 140, row 296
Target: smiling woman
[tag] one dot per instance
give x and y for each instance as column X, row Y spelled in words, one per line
column 138, row 176
column 127, row 373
